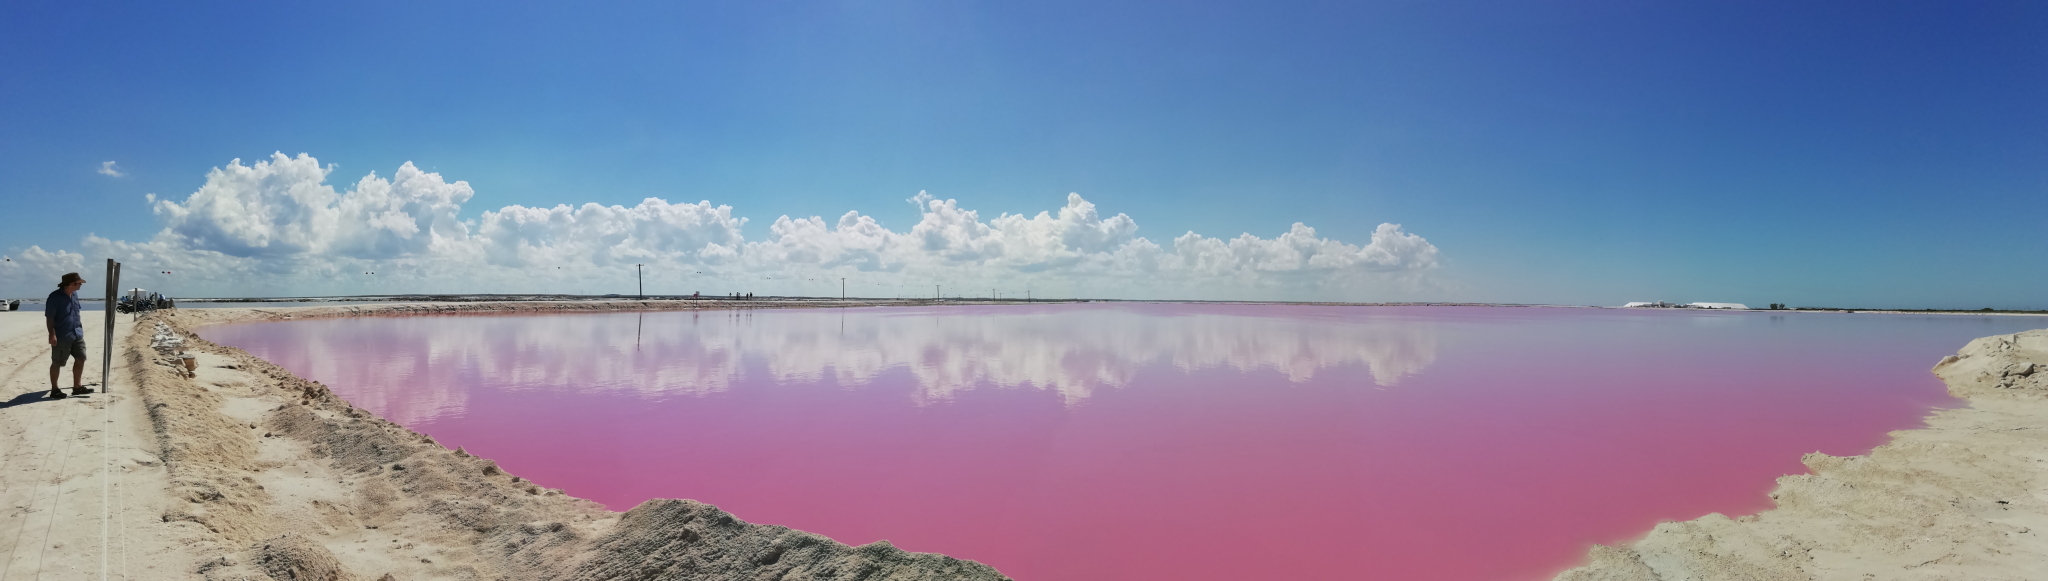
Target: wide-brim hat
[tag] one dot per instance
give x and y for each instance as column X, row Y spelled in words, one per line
column 70, row 277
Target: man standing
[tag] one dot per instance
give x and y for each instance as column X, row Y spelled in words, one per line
column 67, row 334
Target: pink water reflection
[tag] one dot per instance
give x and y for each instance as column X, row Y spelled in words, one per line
column 1091, row 442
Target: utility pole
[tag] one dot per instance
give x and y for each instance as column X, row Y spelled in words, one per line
column 639, row 274
column 842, row 288
column 935, row 292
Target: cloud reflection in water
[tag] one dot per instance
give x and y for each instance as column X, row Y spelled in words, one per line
column 416, row 366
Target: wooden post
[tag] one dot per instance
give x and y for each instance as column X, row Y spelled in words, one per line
column 107, row 343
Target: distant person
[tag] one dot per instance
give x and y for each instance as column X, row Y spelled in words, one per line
column 67, row 334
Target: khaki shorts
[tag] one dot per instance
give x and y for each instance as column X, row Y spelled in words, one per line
column 65, row 349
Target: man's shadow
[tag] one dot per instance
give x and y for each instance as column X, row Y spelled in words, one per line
column 33, row 397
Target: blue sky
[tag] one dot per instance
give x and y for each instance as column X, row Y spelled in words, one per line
column 1837, row 153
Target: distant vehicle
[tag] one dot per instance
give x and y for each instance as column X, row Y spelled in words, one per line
column 139, row 300
column 1665, row 305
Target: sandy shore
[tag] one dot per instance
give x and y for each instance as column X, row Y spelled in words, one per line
column 81, row 485
column 1964, row 498
column 248, row 472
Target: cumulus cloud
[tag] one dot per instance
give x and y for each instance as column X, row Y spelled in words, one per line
column 34, row 272
column 283, row 207
column 107, row 168
column 653, row 231
column 1300, row 250
column 278, row 226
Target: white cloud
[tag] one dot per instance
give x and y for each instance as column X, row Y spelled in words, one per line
column 406, row 215
column 1079, row 232
column 278, row 227
column 654, row 231
column 954, row 234
column 856, row 241
column 1300, row 250
column 107, row 169
column 281, row 206
column 33, row 273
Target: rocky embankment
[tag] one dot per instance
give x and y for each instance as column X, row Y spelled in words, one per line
column 274, row 477
column 1964, row 498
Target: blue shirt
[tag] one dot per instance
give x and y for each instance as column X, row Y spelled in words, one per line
column 62, row 307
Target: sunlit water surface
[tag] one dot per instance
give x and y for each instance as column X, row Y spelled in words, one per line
column 1188, row 442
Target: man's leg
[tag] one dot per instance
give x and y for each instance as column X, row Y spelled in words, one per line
column 54, row 370
column 58, row 353
column 78, row 369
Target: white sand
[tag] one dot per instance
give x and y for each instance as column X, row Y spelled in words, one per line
column 78, row 471
column 1964, row 498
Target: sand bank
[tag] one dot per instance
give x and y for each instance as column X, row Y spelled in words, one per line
column 1964, row 498
column 259, row 474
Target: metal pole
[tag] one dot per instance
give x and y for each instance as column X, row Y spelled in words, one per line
column 107, row 343
column 842, row 288
column 643, row 280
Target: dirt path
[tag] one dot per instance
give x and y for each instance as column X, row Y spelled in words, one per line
column 82, row 489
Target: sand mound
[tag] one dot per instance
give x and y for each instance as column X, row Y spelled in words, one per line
column 1964, row 498
column 290, row 557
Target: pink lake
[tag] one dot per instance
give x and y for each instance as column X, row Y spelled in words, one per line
column 1158, row 441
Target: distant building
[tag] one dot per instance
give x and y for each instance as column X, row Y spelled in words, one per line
column 1718, row 306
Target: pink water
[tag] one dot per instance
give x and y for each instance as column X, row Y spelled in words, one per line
column 1188, row 442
